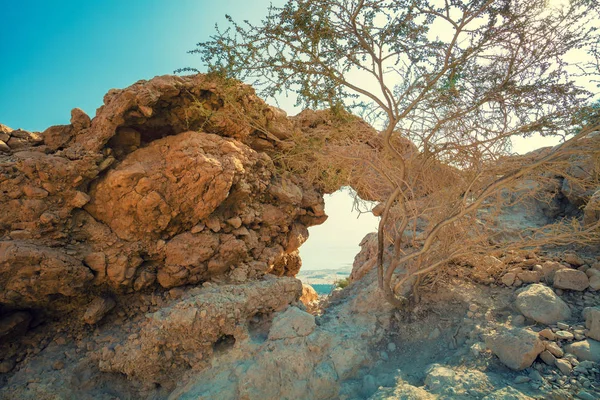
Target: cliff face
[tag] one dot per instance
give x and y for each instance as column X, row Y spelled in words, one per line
column 172, row 183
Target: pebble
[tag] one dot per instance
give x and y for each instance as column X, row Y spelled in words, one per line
column 564, row 366
column 548, row 334
column 384, row 356
column 554, row 349
column 391, row 347
column 519, row 320
column 58, row 365
column 564, row 335
column 562, row 325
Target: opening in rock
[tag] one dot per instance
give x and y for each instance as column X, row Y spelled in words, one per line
column 225, row 342
column 328, row 255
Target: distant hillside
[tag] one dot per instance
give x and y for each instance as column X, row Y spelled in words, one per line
column 324, row 276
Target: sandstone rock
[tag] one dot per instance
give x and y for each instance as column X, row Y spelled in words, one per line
column 571, row 279
column 547, row 334
column 32, row 275
column 79, row 119
column 292, row 323
column 573, row 259
column 309, row 295
column 548, row 357
column 564, row 366
column 4, row 147
column 195, row 323
column 530, row 276
column 509, row 278
column 541, row 304
column 585, row 350
column 517, row 348
column 286, row 191
column 549, row 269
column 592, row 322
column 564, row 335
column 97, row 309
column 554, row 349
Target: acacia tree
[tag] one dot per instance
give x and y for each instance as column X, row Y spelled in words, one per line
column 458, row 78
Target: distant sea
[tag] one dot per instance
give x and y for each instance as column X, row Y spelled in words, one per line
column 322, row 288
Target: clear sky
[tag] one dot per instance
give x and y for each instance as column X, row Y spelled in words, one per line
column 61, row 54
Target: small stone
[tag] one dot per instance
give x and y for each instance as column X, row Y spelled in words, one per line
column 34, row 192
column 198, row 228
column 4, row 147
column 518, row 320
column 517, row 282
column 564, row 335
column 473, row 307
column 384, row 356
column 530, row 276
column 509, row 278
column 564, row 366
column 547, row 334
column 539, row 303
column 391, row 347
column 236, row 222
column 516, row 348
column 573, row 259
column 547, row 357
column 97, row 309
column 58, row 365
column 571, row 279
column 554, row 349
column 562, row 325
column 80, row 199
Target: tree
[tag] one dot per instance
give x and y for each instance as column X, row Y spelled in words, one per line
column 458, row 78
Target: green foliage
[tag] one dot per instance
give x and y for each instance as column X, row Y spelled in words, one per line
column 342, row 283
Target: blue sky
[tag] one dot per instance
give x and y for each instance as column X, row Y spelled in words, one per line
column 61, row 54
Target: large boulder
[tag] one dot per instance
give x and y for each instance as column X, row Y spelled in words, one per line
column 173, row 183
column 516, row 348
column 541, row 304
column 585, row 350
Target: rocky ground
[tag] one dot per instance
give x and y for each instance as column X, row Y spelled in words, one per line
column 151, row 253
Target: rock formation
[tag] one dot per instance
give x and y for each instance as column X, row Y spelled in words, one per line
column 150, row 252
